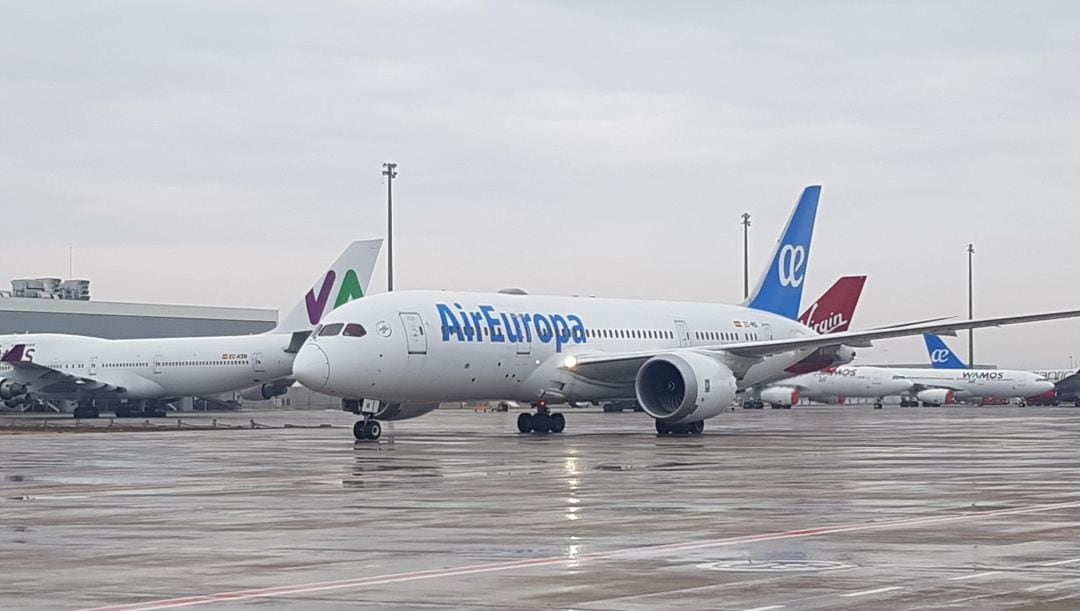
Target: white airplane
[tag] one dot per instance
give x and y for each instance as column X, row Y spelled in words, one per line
column 951, row 380
column 139, row 376
column 398, row 355
column 835, row 384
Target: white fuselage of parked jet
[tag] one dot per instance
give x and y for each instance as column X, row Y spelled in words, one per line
column 146, row 369
column 978, row 383
column 431, row 346
column 835, row 383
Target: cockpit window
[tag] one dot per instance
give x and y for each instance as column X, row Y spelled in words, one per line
column 355, row 330
column 333, row 329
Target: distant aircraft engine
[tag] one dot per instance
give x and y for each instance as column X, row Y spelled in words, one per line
column 684, row 387
column 265, row 391
column 780, row 396
column 9, row 389
column 936, row 396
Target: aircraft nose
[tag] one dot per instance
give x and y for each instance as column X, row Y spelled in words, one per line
column 311, row 367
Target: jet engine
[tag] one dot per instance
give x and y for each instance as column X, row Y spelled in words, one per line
column 780, row 396
column 265, row 391
column 684, row 387
column 391, row 411
column 936, row 396
column 9, row 389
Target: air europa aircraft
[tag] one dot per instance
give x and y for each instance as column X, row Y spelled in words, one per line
column 140, row 376
column 398, row 355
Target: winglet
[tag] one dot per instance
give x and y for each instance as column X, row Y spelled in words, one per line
column 780, row 288
column 347, row 279
column 941, row 356
column 833, row 311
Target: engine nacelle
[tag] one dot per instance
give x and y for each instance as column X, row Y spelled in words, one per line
column 684, row 387
column 9, row 389
column 937, row 396
column 843, row 356
column 391, row 411
column 781, row 396
column 264, row 392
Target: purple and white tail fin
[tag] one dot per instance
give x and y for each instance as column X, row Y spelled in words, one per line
column 347, row 279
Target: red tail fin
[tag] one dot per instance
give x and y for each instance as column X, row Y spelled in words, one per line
column 832, row 313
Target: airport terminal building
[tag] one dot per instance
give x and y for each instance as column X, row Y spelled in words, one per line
column 112, row 320
column 52, row 305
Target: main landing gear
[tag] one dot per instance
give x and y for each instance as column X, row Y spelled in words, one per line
column 543, row 421
column 85, row 409
column 368, row 429
column 693, row 428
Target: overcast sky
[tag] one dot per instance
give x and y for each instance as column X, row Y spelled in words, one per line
column 224, row 152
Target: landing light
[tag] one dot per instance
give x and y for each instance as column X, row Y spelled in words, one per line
column 570, row 362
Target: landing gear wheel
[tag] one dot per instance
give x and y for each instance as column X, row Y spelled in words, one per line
column 697, row 428
column 1022, row 404
column 558, row 423
column 541, row 422
column 877, row 405
column 123, row 412
column 662, row 428
column 372, row 430
column 525, row 423
column 367, row 430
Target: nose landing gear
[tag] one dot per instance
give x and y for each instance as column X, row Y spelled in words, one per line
column 543, row 421
column 368, row 429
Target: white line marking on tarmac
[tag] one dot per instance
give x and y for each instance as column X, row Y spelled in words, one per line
column 874, row 591
column 475, row 569
column 1061, row 562
column 1051, row 586
column 974, row 575
column 769, row 608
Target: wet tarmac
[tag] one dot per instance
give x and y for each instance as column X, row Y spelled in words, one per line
column 821, row 508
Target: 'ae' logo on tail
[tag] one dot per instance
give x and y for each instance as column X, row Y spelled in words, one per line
column 790, row 264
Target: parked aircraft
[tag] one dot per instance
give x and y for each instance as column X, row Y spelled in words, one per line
column 951, row 374
column 398, row 355
column 141, row 376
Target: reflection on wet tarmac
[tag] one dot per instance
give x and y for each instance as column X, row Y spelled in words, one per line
column 820, row 508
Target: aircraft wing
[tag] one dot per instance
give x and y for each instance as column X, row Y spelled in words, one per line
column 617, row 365
column 47, row 380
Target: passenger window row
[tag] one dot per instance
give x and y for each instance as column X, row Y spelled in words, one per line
column 723, row 336
column 629, row 334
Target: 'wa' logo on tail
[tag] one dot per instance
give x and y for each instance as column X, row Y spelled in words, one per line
column 316, row 304
column 342, row 283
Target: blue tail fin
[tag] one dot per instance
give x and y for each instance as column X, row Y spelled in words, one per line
column 941, row 356
column 780, row 288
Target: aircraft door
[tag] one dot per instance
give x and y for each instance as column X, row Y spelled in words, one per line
column 683, row 333
column 158, row 359
column 766, row 331
column 414, row 332
column 257, row 362
column 92, row 368
column 524, row 343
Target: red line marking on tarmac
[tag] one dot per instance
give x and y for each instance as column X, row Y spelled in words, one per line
column 651, row 550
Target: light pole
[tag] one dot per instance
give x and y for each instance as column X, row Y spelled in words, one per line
column 389, row 170
column 745, row 255
column 971, row 308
